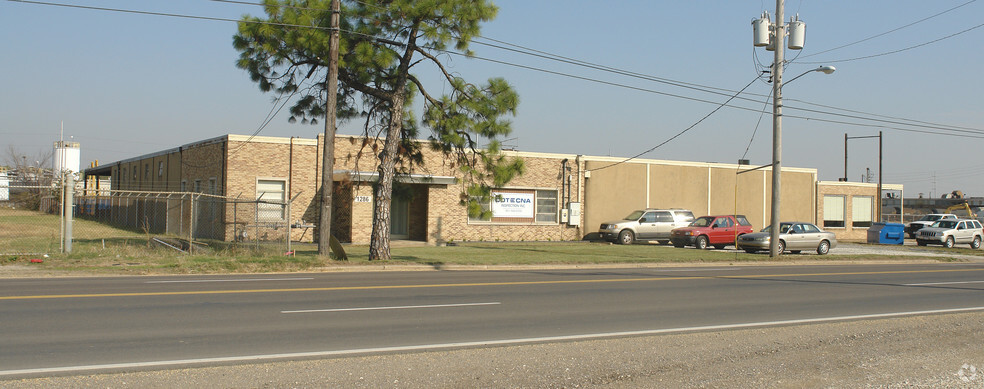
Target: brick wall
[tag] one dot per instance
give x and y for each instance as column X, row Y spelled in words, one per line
column 237, row 162
column 442, row 203
column 848, row 191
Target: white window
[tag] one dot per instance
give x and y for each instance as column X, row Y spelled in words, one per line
column 546, row 206
column 861, row 211
column 833, row 211
column 272, row 195
column 160, row 169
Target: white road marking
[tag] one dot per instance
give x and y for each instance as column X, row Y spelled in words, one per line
column 384, row 308
column 342, row 353
column 945, row 283
column 229, row 280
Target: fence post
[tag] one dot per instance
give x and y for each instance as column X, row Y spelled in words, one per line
column 289, row 249
column 191, row 225
column 69, row 202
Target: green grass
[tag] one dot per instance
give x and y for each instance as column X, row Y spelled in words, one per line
column 125, row 256
column 100, row 249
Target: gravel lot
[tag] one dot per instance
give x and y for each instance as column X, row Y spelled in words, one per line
column 911, row 352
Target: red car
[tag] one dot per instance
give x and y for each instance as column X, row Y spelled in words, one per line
column 718, row 231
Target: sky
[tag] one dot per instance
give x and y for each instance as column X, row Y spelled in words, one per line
column 128, row 84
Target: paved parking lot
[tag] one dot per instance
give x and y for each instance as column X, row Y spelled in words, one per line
column 909, row 248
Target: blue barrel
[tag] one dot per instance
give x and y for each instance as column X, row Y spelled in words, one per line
column 886, row 233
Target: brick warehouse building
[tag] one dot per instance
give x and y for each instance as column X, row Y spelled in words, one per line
column 560, row 196
column 426, row 204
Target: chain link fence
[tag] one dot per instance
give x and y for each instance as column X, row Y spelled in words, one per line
column 33, row 221
column 29, row 219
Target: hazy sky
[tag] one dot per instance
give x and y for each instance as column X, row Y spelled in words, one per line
column 128, row 84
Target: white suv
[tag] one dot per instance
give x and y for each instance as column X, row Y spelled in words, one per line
column 646, row 224
column 926, row 221
column 949, row 232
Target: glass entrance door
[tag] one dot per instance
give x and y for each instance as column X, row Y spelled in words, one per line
column 400, row 218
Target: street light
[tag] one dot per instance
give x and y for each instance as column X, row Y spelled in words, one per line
column 773, row 37
column 826, row 69
column 777, row 146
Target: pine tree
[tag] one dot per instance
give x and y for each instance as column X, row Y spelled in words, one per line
column 382, row 43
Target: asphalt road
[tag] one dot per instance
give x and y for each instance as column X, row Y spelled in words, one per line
column 72, row 325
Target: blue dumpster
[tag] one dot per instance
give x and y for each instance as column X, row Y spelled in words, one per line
column 886, row 233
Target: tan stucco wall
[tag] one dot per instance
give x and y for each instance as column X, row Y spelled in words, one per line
column 613, row 190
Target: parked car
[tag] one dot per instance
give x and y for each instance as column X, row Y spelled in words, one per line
column 646, row 224
column 926, row 221
column 949, row 232
column 718, row 231
column 793, row 236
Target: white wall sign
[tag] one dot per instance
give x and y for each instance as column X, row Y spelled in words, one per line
column 363, row 199
column 512, row 204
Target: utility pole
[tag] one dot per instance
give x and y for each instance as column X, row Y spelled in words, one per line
column 878, row 199
column 779, row 42
column 845, row 157
column 867, row 176
column 773, row 37
column 328, row 155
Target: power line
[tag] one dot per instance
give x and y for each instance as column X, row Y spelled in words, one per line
column 693, row 86
column 576, row 62
column 899, row 50
column 711, row 102
column 890, row 31
column 130, row 11
column 722, row 105
column 755, row 131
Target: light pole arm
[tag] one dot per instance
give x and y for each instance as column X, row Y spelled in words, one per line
column 824, row 69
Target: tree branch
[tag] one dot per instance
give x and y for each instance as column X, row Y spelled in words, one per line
column 447, row 75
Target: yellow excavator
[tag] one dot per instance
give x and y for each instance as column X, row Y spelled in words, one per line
column 962, row 207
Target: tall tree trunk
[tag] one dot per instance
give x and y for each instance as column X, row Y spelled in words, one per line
column 379, row 244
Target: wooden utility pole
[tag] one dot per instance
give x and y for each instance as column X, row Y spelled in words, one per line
column 777, row 64
column 328, row 156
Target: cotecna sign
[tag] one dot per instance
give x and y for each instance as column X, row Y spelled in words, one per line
column 513, row 205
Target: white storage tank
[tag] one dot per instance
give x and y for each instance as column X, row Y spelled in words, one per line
column 67, row 157
column 4, row 185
